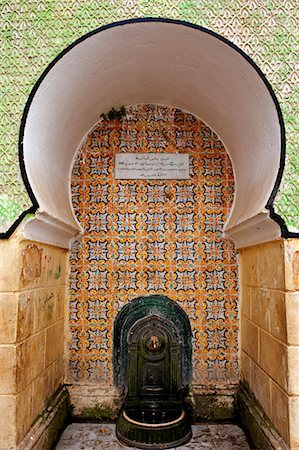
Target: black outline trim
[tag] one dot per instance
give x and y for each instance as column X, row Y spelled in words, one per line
column 276, row 217
column 17, row 222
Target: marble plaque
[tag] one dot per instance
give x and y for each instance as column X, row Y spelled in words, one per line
column 151, row 166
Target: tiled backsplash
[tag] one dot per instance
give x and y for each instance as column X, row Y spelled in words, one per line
column 153, row 237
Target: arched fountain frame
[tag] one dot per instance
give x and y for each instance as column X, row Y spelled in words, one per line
column 158, row 61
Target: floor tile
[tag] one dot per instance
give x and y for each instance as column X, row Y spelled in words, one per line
column 91, row 436
column 228, row 437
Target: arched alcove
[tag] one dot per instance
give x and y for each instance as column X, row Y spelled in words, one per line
column 162, row 62
column 148, row 237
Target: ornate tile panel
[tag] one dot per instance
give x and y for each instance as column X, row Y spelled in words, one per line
column 153, row 237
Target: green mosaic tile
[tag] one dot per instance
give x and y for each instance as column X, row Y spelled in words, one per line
column 34, row 32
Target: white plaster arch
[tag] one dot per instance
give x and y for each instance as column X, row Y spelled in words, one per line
column 152, row 61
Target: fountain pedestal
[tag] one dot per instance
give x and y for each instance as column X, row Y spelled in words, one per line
column 153, row 415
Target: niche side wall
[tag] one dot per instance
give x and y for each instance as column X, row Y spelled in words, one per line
column 33, row 403
column 270, row 342
column 151, row 237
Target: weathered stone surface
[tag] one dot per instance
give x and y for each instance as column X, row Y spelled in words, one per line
column 25, row 316
column 46, row 427
column 80, row 436
column 293, row 370
column 9, row 265
column 270, row 265
column 260, row 384
column 8, row 317
column 54, row 342
column 59, row 302
column 295, row 267
column 24, row 412
column 245, row 367
column 103, row 400
column 274, row 359
column 30, row 359
column 294, row 422
column 8, row 422
column 270, row 280
column 253, row 419
column 7, row 369
column 32, row 292
column 248, row 265
column 260, row 304
column 42, row 390
column 280, row 411
column 277, row 315
column 59, row 370
column 54, row 266
column 292, row 317
column 249, row 337
column 245, row 301
column 213, row 407
column 44, row 308
column 31, row 265
column 291, row 256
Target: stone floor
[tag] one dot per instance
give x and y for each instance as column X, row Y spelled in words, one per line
column 91, row 436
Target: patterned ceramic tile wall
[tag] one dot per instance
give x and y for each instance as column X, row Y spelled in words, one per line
column 153, row 237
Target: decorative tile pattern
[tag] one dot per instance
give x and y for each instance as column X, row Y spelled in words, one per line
column 153, row 237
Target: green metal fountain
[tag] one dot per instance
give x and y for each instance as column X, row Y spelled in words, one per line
column 152, row 364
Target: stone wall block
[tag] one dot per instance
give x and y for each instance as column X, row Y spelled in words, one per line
column 31, row 266
column 44, row 308
column 25, row 316
column 260, row 385
column 59, row 302
column 30, row 359
column 9, row 265
column 245, row 368
column 278, row 326
column 8, row 422
column 24, row 412
column 292, row 317
column 294, row 422
column 248, row 264
column 7, row 370
column 295, row 270
column 246, row 301
column 274, row 358
column 8, row 318
column 280, row 411
column 292, row 264
column 249, row 338
column 54, row 342
column 42, row 390
column 32, row 305
column 55, row 266
column 293, row 370
column 260, row 308
column 59, row 367
column 270, row 265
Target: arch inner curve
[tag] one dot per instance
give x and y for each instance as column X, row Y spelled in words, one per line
column 159, row 62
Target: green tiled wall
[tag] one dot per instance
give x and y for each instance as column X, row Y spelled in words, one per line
column 33, row 32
